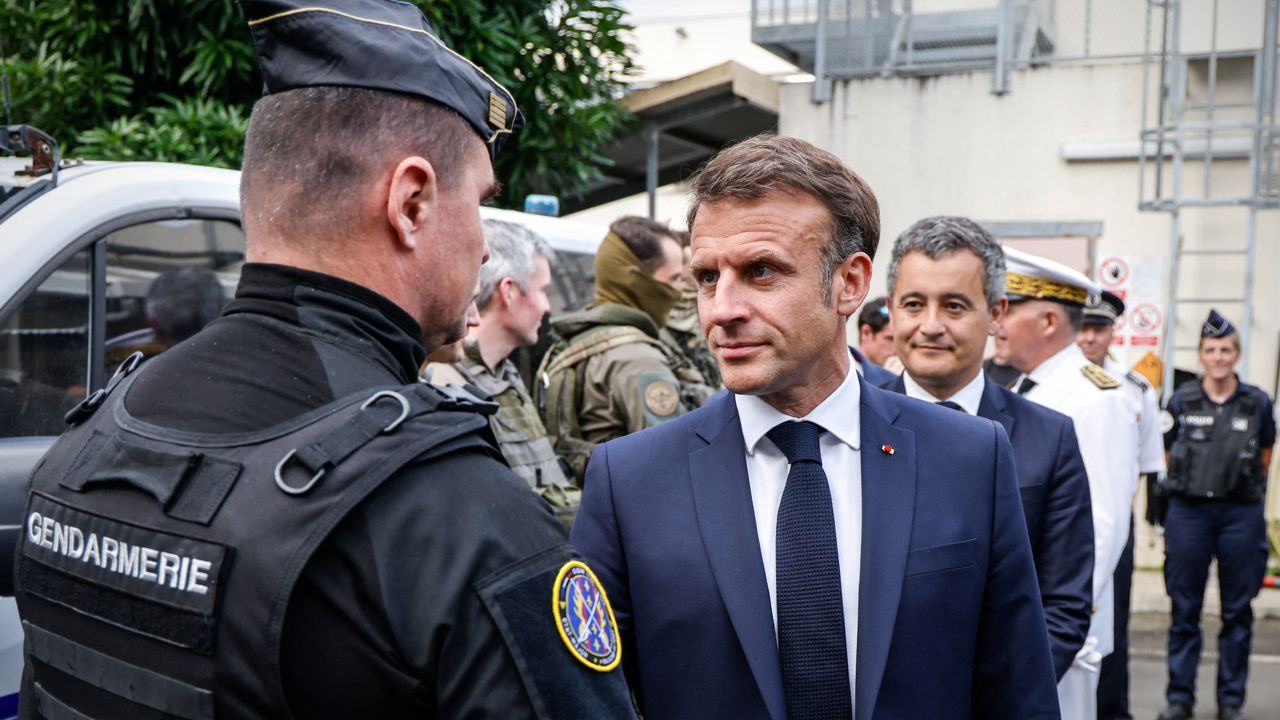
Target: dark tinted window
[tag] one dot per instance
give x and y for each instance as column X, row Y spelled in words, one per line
column 44, row 353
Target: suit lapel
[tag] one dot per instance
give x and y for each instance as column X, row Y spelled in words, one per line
column 888, row 507
column 722, row 500
column 898, row 385
column 994, row 407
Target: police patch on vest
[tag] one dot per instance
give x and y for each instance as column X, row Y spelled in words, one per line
column 1240, row 424
column 584, row 617
column 171, row 569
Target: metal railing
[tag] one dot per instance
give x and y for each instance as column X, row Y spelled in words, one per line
column 838, row 39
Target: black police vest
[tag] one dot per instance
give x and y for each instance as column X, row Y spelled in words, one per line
column 155, row 566
column 1216, row 452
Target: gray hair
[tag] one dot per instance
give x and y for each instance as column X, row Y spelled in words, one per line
column 512, row 248
column 941, row 235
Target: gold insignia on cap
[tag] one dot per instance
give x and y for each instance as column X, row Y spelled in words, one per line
column 1099, row 377
column 1042, row 289
column 497, row 111
column 661, row 398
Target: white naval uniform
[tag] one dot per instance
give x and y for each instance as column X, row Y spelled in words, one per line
column 1143, row 396
column 1107, row 430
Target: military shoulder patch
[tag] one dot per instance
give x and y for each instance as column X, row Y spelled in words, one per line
column 585, row 618
column 1099, row 377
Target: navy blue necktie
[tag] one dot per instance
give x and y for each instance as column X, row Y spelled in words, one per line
column 811, row 647
column 949, row 404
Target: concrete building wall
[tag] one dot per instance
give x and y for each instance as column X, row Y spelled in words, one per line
column 946, row 145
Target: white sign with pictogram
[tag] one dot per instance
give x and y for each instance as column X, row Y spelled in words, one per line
column 1139, row 281
column 1113, row 273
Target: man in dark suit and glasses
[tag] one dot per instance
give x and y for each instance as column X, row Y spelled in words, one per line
column 946, row 287
column 807, row 545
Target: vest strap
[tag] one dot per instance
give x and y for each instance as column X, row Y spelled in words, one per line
column 51, row 708
column 118, row 677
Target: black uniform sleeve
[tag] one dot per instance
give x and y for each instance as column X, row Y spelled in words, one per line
column 467, row 559
column 1268, row 435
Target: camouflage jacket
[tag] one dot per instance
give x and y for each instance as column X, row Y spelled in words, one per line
column 517, row 427
column 611, row 374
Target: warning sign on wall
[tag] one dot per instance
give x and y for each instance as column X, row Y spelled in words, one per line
column 1139, row 281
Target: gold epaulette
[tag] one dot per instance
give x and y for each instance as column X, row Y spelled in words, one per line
column 1099, row 377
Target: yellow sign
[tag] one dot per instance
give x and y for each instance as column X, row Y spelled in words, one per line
column 1152, row 368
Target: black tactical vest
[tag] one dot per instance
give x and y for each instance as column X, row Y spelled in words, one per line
column 1216, row 452
column 156, row 566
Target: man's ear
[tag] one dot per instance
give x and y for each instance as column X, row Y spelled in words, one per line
column 998, row 311
column 851, row 282
column 411, row 200
column 506, row 290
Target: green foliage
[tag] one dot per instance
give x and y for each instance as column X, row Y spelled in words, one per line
column 175, row 79
column 563, row 61
column 204, row 132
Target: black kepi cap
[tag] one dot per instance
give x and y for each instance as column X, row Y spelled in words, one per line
column 1105, row 310
column 1216, row 326
column 380, row 45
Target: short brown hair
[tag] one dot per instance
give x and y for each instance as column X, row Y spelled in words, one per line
column 307, row 148
column 644, row 238
column 758, row 165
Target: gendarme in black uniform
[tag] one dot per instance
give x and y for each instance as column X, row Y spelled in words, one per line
column 390, row 617
column 275, row 520
column 1217, row 481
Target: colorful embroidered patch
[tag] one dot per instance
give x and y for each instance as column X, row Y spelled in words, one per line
column 584, row 617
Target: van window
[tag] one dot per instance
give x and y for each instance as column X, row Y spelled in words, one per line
column 165, row 281
column 44, row 353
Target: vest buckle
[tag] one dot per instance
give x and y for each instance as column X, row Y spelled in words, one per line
column 404, row 407
column 290, row 489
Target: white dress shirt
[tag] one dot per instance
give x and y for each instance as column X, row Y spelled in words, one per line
column 968, row 397
column 767, row 470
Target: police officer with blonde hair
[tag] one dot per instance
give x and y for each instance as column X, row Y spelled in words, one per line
column 1221, row 435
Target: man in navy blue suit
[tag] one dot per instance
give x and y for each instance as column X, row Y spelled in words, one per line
column 946, row 287
column 808, row 545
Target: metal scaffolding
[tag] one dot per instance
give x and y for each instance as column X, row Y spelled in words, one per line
column 1193, row 123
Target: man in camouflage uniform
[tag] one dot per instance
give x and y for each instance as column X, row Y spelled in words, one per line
column 512, row 297
column 613, row 373
column 686, row 331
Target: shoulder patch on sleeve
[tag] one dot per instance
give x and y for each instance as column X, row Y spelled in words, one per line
column 1099, row 377
column 585, row 618
column 1166, row 421
column 659, row 394
column 564, row 653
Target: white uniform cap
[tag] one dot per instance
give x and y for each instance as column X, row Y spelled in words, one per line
column 1031, row 277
